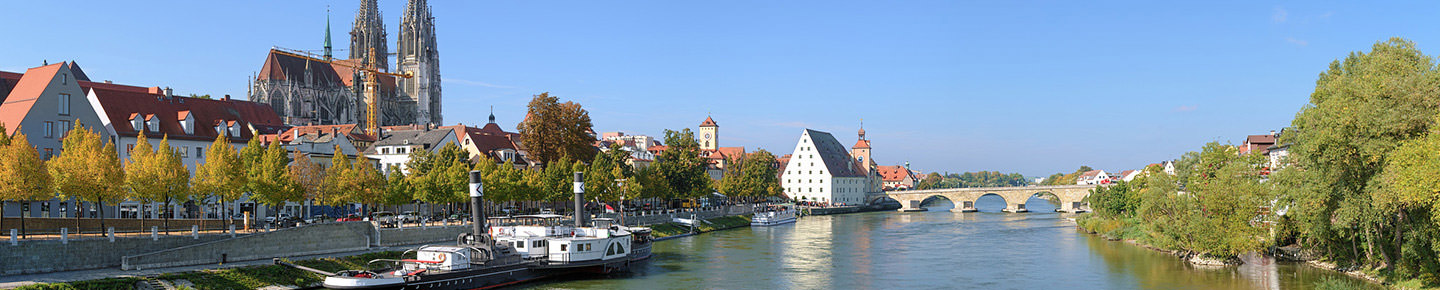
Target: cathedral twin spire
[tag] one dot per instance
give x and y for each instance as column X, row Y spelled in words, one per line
column 368, row 33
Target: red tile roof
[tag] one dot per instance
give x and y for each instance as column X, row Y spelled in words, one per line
column 488, row 139
column 350, row 130
column 861, row 144
column 120, row 103
column 893, row 173
column 708, row 122
column 23, row 97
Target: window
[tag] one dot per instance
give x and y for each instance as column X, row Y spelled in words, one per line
column 49, row 129
column 64, row 128
column 128, row 148
column 65, row 104
column 562, row 247
column 64, row 79
column 199, row 152
column 184, row 152
column 49, row 153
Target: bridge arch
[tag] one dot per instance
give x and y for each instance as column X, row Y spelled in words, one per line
column 1071, row 197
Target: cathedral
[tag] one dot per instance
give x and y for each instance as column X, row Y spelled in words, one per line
column 326, row 91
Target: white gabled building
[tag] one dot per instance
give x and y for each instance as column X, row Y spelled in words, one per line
column 821, row 170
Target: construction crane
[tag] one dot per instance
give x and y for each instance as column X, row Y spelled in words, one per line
column 372, row 83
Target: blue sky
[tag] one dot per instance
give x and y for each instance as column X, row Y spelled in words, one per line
column 1034, row 87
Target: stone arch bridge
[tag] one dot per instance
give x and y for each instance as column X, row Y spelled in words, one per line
column 1072, row 197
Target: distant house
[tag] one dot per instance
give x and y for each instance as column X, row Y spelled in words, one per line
column 1258, row 143
column 1278, row 155
column 493, row 143
column 896, row 177
column 1093, row 177
column 1168, row 166
column 395, row 145
column 1129, row 175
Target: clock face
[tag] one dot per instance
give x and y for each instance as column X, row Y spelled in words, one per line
column 707, row 135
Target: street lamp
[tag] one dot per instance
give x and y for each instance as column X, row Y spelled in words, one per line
column 621, row 183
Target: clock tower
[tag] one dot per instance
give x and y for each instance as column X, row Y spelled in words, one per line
column 709, row 134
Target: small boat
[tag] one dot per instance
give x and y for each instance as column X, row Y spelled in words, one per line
column 778, row 214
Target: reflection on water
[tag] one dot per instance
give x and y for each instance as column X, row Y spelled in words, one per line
column 937, row 249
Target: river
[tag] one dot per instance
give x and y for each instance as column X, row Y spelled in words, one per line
column 937, row 249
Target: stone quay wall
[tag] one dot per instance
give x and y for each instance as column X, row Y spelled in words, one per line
column 54, row 255
column 307, row 240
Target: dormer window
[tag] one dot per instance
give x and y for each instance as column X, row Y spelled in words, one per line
column 136, row 122
column 186, row 122
column 234, row 128
column 220, row 128
column 152, row 123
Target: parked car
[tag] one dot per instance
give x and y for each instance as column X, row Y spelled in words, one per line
column 350, row 218
column 408, row 217
column 384, row 219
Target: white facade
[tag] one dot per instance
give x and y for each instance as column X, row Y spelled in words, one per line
column 808, row 178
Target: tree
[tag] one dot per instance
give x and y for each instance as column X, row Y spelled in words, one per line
column 753, row 178
column 250, row 157
column 1362, row 109
column 270, row 178
column 367, row 185
column 87, row 170
column 23, row 176
column 221, row 176
column 309, row 177
column 552, row 130
column 681, row 166
column 141, row 175
column 157, row 176
column 339, row 179
column 604, row 170
column 398, row 190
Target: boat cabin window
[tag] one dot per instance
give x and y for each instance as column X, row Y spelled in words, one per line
column 520, row 245
column 537, row 244
column 610, row 250
column 562, row 247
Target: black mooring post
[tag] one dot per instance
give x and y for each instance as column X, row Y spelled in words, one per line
column 477, row 204
column 580, row 199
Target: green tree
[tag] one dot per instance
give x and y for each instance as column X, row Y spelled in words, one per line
column 221, row 176
column 397, row 188
column 87, row 170
column 367, row 185
column 681, row 166
column 339, row 180
column 604, row 171
column 1362, row 109
column 23, row 176
column 754, row 178
column 250, row 157
column 271, row 180
column 553, row 130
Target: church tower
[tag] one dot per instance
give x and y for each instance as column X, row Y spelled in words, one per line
column 709, row 134
column 417, row 55
column 369, row 33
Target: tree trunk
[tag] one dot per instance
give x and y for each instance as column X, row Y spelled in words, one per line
column 99, row 206
column 1399, row 238
column 167, row 213
column 22, row 219
column 141, row 213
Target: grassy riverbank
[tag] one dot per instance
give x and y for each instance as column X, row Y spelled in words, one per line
column 248, row 277
column 710, row 225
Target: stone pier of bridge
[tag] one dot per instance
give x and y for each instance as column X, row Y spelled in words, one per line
column 1071, row 197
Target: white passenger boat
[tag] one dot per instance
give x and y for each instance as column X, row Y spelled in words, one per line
column 502, row 255
column 778, row 214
